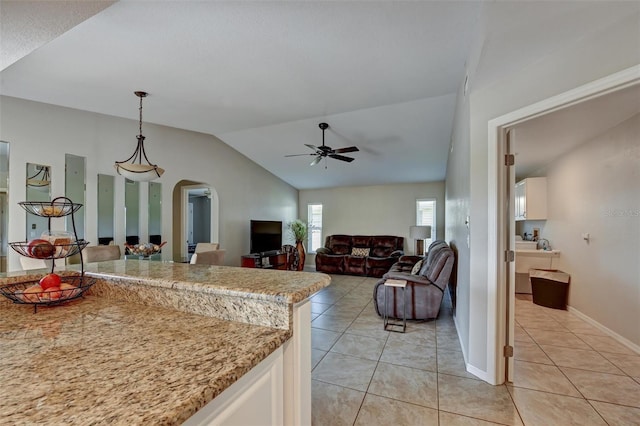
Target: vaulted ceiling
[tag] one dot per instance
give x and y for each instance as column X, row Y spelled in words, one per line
column 261, row 75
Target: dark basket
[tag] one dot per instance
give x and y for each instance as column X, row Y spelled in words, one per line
column 50, row 208
column 15, row 292
column 61, row 250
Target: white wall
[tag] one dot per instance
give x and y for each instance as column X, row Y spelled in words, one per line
column 373, row 210
column 610, row 50
column 596, row 189
column 43, row 134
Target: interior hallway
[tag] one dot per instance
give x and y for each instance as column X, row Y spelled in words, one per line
column 566, row 372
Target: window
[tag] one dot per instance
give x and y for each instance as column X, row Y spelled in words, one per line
column 426, row 215
column 314, row 239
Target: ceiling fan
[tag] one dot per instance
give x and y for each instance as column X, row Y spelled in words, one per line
column 326, row 151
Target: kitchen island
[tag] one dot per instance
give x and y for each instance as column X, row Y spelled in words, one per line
column 156, row 343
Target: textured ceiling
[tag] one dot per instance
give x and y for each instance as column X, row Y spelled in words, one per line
column 262, row 75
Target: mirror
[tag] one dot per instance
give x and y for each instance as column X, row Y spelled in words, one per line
column 4, row 206
column 132, row 211
column 106, row 205
column 74, row 189
column 155, row 213
column 38, row 187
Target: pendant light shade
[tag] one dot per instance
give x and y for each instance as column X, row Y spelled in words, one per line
column 133, row 168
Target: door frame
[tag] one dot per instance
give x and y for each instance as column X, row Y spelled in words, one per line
column 184, row 205
column 498, row 324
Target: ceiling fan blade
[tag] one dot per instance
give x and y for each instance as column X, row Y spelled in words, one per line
column 316, row 161
column 346, row 149
column 297, row 155
column 341, row 158
column 315, row 148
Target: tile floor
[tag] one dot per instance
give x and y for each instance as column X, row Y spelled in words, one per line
column 566, row 371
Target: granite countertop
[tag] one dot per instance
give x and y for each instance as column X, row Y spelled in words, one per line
column 106, row 359
column 266, row 284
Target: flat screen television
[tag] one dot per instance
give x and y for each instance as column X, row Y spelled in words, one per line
column 266, row 236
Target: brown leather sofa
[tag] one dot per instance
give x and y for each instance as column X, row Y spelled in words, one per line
column 370, row 256
column 425, row 287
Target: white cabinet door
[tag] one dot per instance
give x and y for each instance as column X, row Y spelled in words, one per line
column 531, row 199
column 256, row 399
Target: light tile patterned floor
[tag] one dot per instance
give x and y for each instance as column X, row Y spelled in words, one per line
column 567, row 372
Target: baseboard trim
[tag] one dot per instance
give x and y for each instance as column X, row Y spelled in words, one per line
column 605, row 329
column 480, row 374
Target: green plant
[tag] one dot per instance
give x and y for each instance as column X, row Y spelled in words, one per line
column 299, row 230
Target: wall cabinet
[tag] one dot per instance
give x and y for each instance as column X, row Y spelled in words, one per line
column 531, row 199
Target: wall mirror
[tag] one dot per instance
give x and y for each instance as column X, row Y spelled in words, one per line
column 74, row 189
column 106, row 209
column 38, row 188
column 155, row 213
column 4, row 203
column 132, row 211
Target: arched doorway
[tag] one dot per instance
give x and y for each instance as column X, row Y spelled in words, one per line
column 196, row 216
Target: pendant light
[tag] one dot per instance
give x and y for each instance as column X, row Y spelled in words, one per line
column 132, row 168
column 41, row 179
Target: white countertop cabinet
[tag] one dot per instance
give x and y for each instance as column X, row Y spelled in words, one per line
column 531, row 199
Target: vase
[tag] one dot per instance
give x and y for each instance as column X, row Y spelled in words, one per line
column 301, row 255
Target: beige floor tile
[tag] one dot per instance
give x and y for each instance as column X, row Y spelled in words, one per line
column 556, row 338
column 448, row 342
column 379, row 411
column 333, row 405
column 318, row 308
column 368, row 327
column 579, row 326
column 630, row 364
column 344, row 370
column 474, row 398
column 543, row 323
column 332, row 323
column 415, row 336
column 606, row 344
column 525, row 351
column 325, row 298
column 316, row 356
column 405, row 384
column 409, row 355
column 359, row 346
column 605, row 387
column 344, row 311
column 323, row 339
column 580, row 358
column 542, row 408
column 542, row 377
column 452, row 362
column 618, row 415
column 449, row 419
column 519, row 335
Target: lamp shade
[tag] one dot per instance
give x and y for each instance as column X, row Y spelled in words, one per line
column 420, row 232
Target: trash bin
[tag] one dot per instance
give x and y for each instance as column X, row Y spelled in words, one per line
column 550, row 287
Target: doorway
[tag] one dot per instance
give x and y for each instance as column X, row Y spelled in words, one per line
column 501, row 211
column 196, row 212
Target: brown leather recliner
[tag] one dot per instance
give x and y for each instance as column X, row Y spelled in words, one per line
column 424, row 290
column 370, row 256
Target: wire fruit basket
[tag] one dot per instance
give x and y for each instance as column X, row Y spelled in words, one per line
column 27, row 292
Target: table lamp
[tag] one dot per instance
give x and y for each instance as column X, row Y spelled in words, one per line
column 420, row 233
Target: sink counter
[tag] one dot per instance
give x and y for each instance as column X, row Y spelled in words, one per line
column 144, row 346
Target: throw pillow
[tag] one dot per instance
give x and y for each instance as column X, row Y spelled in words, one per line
column 416, row 267
column 360, row 251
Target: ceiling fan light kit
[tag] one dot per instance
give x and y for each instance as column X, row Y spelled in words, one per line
column 132, row 168
column 325, row 151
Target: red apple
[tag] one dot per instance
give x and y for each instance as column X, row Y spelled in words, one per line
column 50, row 280
column 41, row 249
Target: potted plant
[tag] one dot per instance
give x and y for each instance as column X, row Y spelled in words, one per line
column 299, row 230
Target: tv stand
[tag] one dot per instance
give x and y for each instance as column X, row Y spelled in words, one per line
column 269, row 260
